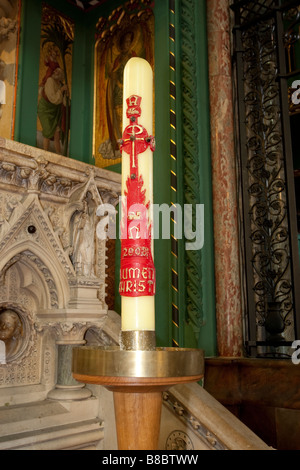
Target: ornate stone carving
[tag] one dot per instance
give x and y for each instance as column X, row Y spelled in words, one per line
column 55, row 293
column 95, row 335
column 83, row 238
column 193, row 423
column 21, row 353
column 16, row 331
column 65, row 331
column 190, row 104
column 38, row 178
column 11, row 328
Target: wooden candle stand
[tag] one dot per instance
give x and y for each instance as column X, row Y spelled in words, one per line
column 137, row 380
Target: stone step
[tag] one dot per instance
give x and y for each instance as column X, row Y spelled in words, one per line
column 50, row 425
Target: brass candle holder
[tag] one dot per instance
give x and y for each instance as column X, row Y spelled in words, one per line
column 137, row 377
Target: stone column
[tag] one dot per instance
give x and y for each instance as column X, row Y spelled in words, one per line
column 69, row 335
column 225, row 208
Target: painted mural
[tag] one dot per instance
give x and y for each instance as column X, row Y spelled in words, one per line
column 55, row 80
column 9, row 52
column 128, row 32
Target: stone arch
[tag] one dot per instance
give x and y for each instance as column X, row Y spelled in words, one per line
column 53, row 281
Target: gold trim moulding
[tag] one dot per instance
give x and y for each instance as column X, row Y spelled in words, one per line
column 110, row 361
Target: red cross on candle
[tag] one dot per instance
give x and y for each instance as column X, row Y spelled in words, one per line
column 135, row 139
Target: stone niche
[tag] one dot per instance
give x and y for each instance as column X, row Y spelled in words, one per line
column 52, row 287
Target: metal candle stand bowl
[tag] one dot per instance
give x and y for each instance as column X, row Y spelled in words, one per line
column 137, row 379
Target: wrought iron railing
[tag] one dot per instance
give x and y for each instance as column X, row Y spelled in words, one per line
column 266, row 39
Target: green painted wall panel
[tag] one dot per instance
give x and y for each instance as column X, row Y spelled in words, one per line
column 161, row 172
column 196, row 268
column 28, row 74
column 207, row 337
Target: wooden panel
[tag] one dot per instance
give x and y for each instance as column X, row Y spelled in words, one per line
column 263, row 394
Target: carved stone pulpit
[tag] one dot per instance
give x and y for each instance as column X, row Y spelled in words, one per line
column 53, row 269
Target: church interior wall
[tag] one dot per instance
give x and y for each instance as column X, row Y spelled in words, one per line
column 51, row 294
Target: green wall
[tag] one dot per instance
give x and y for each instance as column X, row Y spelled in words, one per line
column 161, row 173
column 191, row 273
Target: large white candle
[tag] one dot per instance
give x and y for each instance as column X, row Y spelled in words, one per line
column 137, row 278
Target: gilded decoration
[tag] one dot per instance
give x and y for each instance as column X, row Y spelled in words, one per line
column 127, row 32
column 55, row 81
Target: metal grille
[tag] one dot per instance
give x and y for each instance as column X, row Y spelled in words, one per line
column 271, row 257
column 249, row 11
